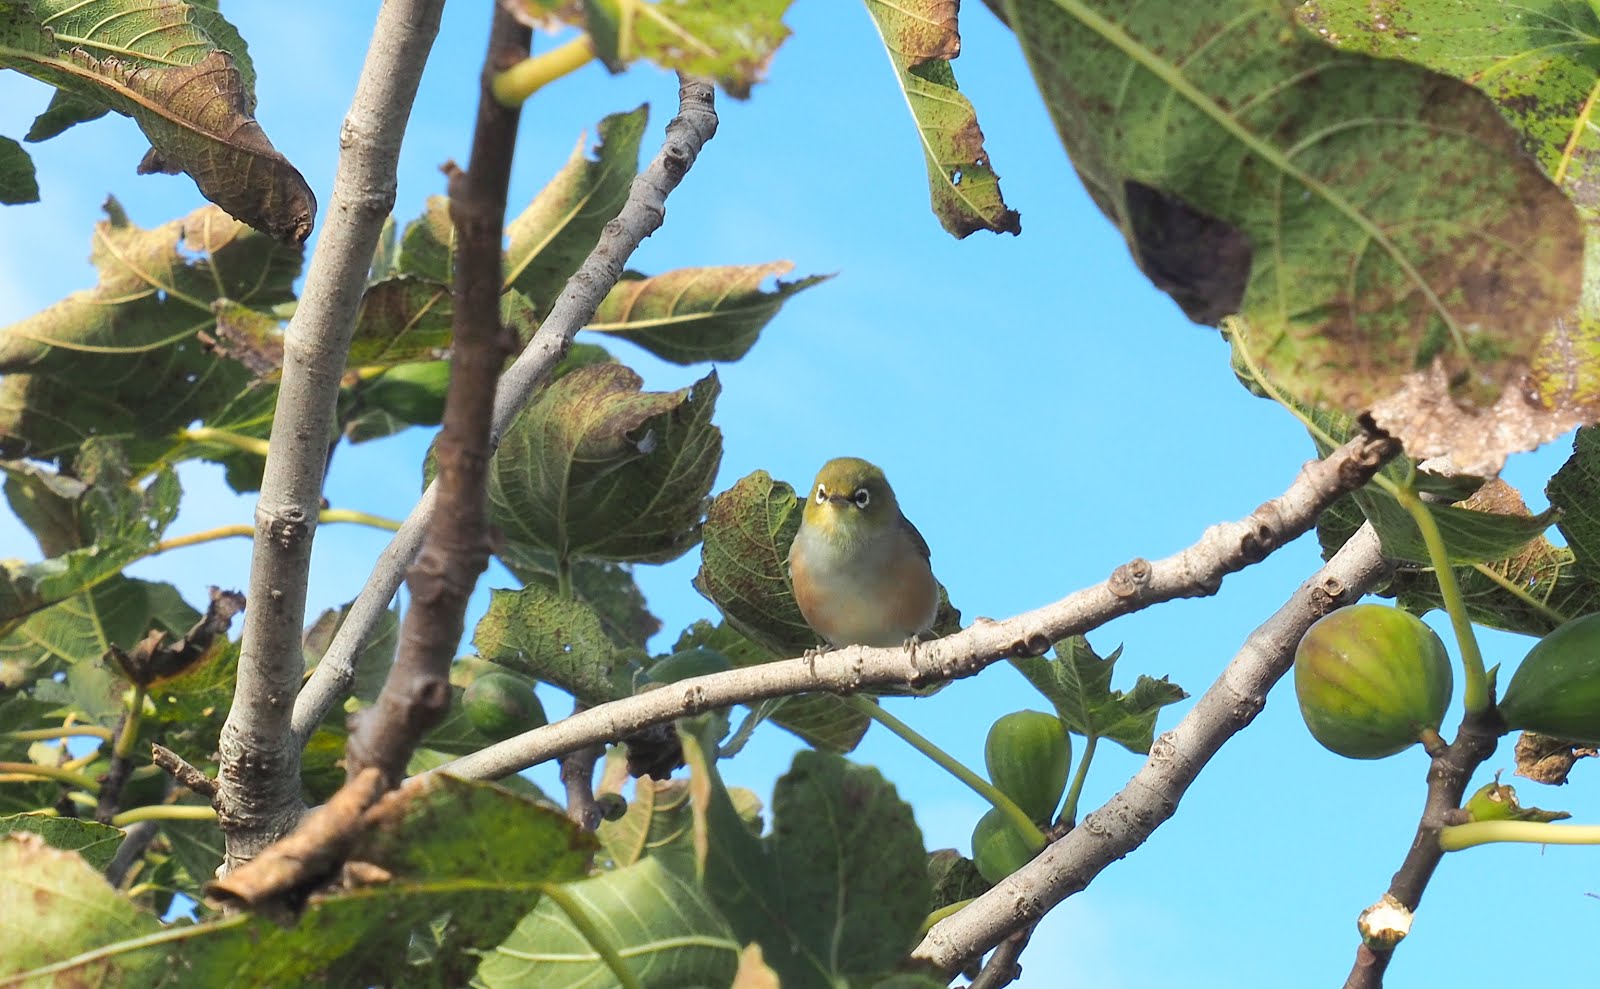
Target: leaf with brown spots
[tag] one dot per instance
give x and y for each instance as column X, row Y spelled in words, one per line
column 158, row 63
column 921, row 38
column 1394, row 223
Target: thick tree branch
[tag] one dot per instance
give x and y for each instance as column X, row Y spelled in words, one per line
column 641, row 216
column 1194, row 572
column 1448, row 776
column 1152, row 795
column 455, row 552
column 259, row 794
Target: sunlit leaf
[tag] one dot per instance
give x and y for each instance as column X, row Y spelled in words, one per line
column 1078, row 684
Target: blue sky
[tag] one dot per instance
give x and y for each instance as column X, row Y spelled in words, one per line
column 1042, row 411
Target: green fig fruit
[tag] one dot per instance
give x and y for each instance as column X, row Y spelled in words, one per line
column 1371, row 680
column 1028, row 754
column 500, row 705
column 998, row 849
column 1556, row 690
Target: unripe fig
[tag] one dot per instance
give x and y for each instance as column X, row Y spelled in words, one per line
column 500, row 705
column 1371, row 680
column 1028, row 753
column 694, row 662
column 998, row 849
column 1556, row 690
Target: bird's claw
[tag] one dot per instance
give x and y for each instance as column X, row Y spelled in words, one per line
column 810, row 656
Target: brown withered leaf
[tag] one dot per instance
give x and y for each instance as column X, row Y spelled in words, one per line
column 1547, row 759
column 196, row 121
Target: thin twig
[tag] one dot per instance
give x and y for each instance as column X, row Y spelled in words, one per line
column 1448, row 776
column 259, row 796
column 641, row 216
column 1193, row 572
column 1176, row 758
column 577, row 776
column 1002, row 969
column 455, row 551
column 182, row 771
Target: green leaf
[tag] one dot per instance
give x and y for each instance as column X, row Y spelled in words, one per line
column 65, row 110
column 427, row 247
column 836, row 893
column 608, row 588
column 1574, row 491
column 18, row 182
column 1535, row 62
column 658, row 920
column 921, row 38
column 659, row 822
column 537, row 632
column 1078, row 683
column 401, row 319
column 371, row 664
column 561, row 226
column 597, row 468
column 727, row 41
column 697, row 314
column 125, row 360
column 822, row 720
column 54, row 906
column 954, row 877
column 159, row 65
column 1362, row 214
column 125, row 524
column 453, row 892
column 97, row 843
column 744, row 563
column 198, row 847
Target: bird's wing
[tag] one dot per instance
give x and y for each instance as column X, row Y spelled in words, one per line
column 916, row 537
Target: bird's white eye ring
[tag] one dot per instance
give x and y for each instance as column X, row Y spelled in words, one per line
column 822, row 493
column 863, row 497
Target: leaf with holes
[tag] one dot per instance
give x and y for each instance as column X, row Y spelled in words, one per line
column 922, row 38
column 1369, row 217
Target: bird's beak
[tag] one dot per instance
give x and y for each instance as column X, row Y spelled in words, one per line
column 843, row 501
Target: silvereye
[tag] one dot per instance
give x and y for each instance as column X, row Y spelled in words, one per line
column 860, row 569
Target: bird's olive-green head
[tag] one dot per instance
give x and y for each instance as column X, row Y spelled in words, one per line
column 850, row 497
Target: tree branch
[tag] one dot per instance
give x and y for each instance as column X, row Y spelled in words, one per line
column 1448, row 776
column 1193, row 572
column 455, row 552
column 259, row 793
column 641, row 216
column 1177, row 757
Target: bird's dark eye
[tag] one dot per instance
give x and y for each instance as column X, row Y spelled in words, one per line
column 822, row 493
column 863, row 497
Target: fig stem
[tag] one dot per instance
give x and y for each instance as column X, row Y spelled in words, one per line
column 1475, row 695
column 1069, row 810
column 953, row 766
column 1455, row 837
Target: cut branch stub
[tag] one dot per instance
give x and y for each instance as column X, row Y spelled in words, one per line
column 174, row 75
column 597, row 468
column 1395, row 226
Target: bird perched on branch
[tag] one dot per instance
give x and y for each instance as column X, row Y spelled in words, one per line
column 859, row 567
